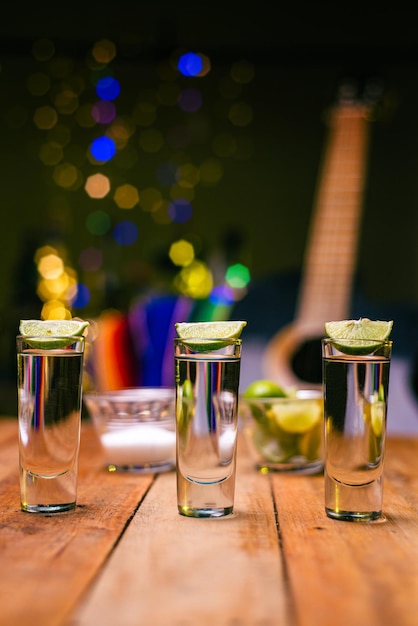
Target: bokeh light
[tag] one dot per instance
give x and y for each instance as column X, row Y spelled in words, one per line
column 104, row 51
column 190, row 64
column 180, row 211
column 125, row 233
column 126, row 196
column 107, row 88
column 81, row 297
column 103, row 112
column 195, row 280
column 237, row 276
column 181, row 253
column 98, row 223
column 97, row 185
column 222, row 295
column 103, row 149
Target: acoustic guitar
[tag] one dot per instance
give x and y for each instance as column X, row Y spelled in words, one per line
column 293, row 356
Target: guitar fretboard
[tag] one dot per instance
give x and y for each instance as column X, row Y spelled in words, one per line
column 330, row 258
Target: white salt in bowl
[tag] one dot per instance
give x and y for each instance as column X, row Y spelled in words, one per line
column 136, row 427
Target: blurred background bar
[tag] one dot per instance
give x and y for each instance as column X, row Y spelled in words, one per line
column 176, row 150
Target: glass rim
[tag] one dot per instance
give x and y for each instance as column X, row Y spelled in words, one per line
column 226, row 340
column 44, row 337
column 361, row 342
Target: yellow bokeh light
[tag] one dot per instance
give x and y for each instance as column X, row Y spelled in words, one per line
column 97, row 186
column 50, row 153
column 121, row 129
column 50, row 266
column 181, row 253
column 126, row 196
column 55, row 310
column 188, row 175
column 44, row 251
column 66, row 102
column 195, row 280
column 104, row 51
column 67, row 176
column 151, row 199
column 45, row 117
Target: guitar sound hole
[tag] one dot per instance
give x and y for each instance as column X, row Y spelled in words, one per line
column 307, row 361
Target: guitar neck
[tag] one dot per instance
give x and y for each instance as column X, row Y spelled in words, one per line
column 330, row 258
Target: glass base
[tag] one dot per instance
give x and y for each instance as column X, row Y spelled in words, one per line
column 48, row 508
column 353, row 516
column 190, row 512
column 351, row 502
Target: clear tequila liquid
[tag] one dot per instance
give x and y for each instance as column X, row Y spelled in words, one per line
column 207, row 422
column 49, row 410
column 355, row 404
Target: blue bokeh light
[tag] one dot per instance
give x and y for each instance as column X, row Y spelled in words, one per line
column 180, row 211
column 82, row 297
column 107, row 88
column 221, row 295
column 125, row 233
column 103, row 148
column 190, row 64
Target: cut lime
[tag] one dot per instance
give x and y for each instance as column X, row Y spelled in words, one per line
column 205, row 336
column 297, row 417
column 51, row 334
column 264, row 388
column 360, row 336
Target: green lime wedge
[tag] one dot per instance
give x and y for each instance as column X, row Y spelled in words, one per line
column 264, row 388
column 297, row 417
column 51, row 334
column 206, row 336
column 360, row 336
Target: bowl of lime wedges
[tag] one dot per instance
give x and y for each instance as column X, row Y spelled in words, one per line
column 283, row 428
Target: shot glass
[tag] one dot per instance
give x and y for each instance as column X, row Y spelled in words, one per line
column 49, row 419
column 207, row 386
column 356, row 382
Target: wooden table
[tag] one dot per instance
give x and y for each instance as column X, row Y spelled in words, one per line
column 126, row 557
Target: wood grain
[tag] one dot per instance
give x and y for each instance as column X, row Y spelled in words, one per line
column 125, row 556
column 49, row 560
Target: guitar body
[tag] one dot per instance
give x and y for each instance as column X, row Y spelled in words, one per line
column 293, row 356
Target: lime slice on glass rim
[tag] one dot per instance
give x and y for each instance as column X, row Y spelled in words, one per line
column 206, row 336
column 360, row 336
column 52, row 334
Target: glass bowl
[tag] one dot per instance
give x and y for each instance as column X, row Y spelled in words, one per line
column 285, row 434
column 136, row 427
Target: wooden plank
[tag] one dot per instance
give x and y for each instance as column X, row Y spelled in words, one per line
column 48, row 561
column 348, row 573
column 169, row 569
